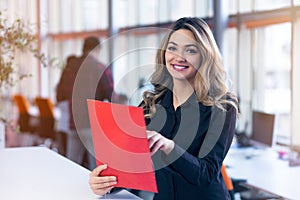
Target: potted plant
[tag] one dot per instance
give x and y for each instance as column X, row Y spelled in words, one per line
column 15, row 37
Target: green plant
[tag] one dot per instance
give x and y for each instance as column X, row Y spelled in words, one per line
column 15, row 37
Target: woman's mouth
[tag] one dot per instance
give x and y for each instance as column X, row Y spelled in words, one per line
column 180, row 67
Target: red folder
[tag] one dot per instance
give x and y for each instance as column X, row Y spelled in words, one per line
column 120, row 141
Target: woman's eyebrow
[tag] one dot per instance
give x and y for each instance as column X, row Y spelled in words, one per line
column 174, row 43
column 187, row 45
column 191, row 45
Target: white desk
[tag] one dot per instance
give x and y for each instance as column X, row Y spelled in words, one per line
column 37, row 173
column 262, row 168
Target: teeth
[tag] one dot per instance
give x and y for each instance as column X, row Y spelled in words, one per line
column 179, row 67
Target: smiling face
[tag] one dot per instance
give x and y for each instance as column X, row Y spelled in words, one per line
column 182, row 56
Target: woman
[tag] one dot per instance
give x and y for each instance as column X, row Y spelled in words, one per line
column 190, row 117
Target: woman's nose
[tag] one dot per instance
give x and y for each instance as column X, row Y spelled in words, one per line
column 180, row 57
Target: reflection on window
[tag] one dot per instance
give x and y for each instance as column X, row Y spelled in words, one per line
column 272, row 67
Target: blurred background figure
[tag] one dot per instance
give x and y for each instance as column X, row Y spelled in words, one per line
column 83, row 78
column 63, row 98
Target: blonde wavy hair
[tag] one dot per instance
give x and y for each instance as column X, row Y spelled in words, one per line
column 210, row 80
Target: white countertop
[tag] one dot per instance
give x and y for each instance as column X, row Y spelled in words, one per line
column 263, row 168
column 37, row 173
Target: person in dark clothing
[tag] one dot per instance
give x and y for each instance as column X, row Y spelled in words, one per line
column 63, row 98
column 190, row 117
column 83, row 78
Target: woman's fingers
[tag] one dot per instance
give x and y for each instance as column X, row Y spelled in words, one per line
column 159, row 142
column 101, row 184
column 156, row 146
column 156, row 141
column 103, row 180
column 98, row 169
column 102, row 191
column 153, row 137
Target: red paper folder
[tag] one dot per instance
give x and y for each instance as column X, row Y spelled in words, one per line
column 120, row 141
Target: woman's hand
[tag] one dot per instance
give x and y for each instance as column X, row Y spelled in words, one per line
column 159, row 142
column 101, row 184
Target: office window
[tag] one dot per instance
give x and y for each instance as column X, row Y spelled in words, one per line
column 120, row 18
column 19, row 9
column 95, row 14
column 134, row 63
column 120, row 62
column 269, row 5
column 297, row 2
column 65, row 16
column 148, row 12
column 232, row 7
column 244, row 78
column 245, row 6
column 271, row 75
column 296, row 87
column 135, row 12
column 3, row 3
column 204, row 8
column 25, row 10
column 259, row 5
column 163, row 11
column 230, row 56
column 179, row 8
column 70, row 16
column 131, row 12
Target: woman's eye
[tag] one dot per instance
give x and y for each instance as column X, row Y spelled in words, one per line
column 171, row 48
column 192, row 51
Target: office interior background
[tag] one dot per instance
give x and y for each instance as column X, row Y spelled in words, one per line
column 259, row 41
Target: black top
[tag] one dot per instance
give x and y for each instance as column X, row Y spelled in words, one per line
column 183, row 174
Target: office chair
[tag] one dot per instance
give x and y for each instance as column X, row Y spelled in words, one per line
column 227, row 181
column 25, row 120
column 46, row 127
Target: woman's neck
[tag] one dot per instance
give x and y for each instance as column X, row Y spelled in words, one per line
column 182, row 90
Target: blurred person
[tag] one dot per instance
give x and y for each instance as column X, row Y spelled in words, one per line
column 63, row 97
column 90, row 79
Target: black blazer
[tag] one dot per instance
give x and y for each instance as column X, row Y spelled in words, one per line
column 182, row 174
